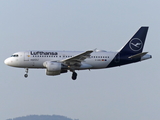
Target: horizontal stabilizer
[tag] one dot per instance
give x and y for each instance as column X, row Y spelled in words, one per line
column 138, row 55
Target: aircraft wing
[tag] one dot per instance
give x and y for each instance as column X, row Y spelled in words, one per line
column 77, row 59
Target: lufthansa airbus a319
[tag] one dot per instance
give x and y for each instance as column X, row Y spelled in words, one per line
column 58, row 62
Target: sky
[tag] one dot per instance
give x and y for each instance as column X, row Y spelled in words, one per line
column 122, row 93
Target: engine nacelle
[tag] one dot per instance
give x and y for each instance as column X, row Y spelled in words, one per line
column 53, row 68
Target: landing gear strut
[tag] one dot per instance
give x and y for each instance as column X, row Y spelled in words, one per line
column 26, row 75
column 74, row 76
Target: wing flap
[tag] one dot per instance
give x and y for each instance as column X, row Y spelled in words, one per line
column 77, row 59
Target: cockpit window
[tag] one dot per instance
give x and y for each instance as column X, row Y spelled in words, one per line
column 14, row 55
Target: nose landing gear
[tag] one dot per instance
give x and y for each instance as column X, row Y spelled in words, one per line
column 74, row 76
column 26, row 75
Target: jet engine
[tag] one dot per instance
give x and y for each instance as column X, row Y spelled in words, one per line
column 53, row 68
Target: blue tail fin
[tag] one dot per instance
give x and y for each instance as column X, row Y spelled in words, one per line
column 132, row 51
column 136, row 43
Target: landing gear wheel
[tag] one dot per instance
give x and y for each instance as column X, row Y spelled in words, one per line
column 74, row 76
column 25, row 75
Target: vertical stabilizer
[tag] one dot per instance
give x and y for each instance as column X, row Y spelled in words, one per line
column 136, row 43
column 132, row 51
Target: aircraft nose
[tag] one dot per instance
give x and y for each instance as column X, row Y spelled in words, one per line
column 7, row 61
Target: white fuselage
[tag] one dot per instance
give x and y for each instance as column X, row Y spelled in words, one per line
column 36, row 59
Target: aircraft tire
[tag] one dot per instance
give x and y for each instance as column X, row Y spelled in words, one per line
column 74, row 76
column 25, row 75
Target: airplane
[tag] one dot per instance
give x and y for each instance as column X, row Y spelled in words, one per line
column 58, row 62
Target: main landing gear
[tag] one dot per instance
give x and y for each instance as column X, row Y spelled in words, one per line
column 26, row 75
column 74, row 76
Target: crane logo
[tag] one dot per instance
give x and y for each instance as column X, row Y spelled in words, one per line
column 135, row 44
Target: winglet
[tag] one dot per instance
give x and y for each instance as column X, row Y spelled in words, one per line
column 94, row 50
